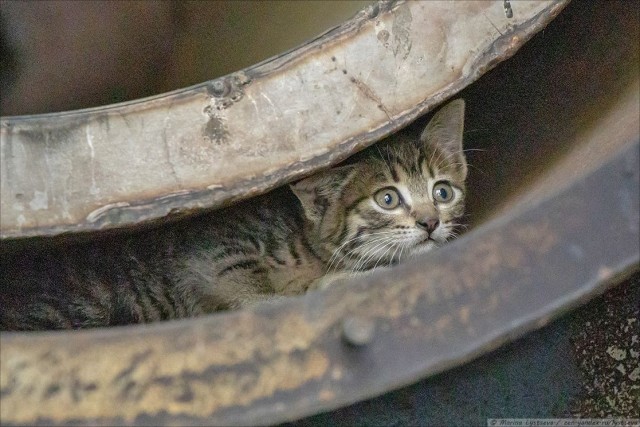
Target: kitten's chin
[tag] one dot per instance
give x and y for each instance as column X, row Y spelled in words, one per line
column 424, row 247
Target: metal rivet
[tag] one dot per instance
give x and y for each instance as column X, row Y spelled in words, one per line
column 219, row 88
column 358, row 331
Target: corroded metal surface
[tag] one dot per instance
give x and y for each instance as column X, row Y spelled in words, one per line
column 245, row 133
column 282, row 362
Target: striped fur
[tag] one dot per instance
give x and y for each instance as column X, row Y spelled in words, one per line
column 283, row 243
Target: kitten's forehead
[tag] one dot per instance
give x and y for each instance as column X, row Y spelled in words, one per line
column 400, row 160
column 438, row 161
column 413, row 164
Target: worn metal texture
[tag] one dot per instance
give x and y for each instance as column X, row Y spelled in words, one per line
column 243, row 134
column 282, row 362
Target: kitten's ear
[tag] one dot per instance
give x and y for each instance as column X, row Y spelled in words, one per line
column 446, row 128
column 318, row 191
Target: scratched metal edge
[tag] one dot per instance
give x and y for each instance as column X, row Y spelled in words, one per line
column 620, row 262
column 168, row 206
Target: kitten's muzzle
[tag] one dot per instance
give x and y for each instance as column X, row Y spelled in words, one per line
column 428, row 224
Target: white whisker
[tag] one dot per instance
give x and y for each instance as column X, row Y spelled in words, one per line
column 447, row 157
column 370, row 253
column 365, row 244
column 387, row 245
column 338, row 250
column 393, row 255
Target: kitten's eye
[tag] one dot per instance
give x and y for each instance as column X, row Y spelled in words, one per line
column 442, row 192
column 387, row 198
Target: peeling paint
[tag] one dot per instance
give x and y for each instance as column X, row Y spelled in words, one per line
column 100, row 212
column 401, row 31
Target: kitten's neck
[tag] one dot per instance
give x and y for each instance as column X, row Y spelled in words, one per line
column 314, row 244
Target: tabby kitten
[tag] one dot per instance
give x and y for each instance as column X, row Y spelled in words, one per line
column 397, row 199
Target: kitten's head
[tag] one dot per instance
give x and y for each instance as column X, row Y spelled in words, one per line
column 401, row 197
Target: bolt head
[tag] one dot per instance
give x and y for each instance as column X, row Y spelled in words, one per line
column 358, row 331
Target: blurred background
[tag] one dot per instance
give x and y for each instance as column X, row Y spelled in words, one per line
column 65, row 55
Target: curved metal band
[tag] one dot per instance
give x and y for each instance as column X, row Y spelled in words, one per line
column 243, row 134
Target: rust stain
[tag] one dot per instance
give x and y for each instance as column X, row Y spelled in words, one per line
column 538, row 237
column 443, row 324
column 294, row 333
column 141, row 382
column 463, row 314
column 605, row 273
column 326, row 395
column 215, row 129
column 154, row 376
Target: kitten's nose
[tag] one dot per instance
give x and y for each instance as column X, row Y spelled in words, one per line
column 429, row 224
